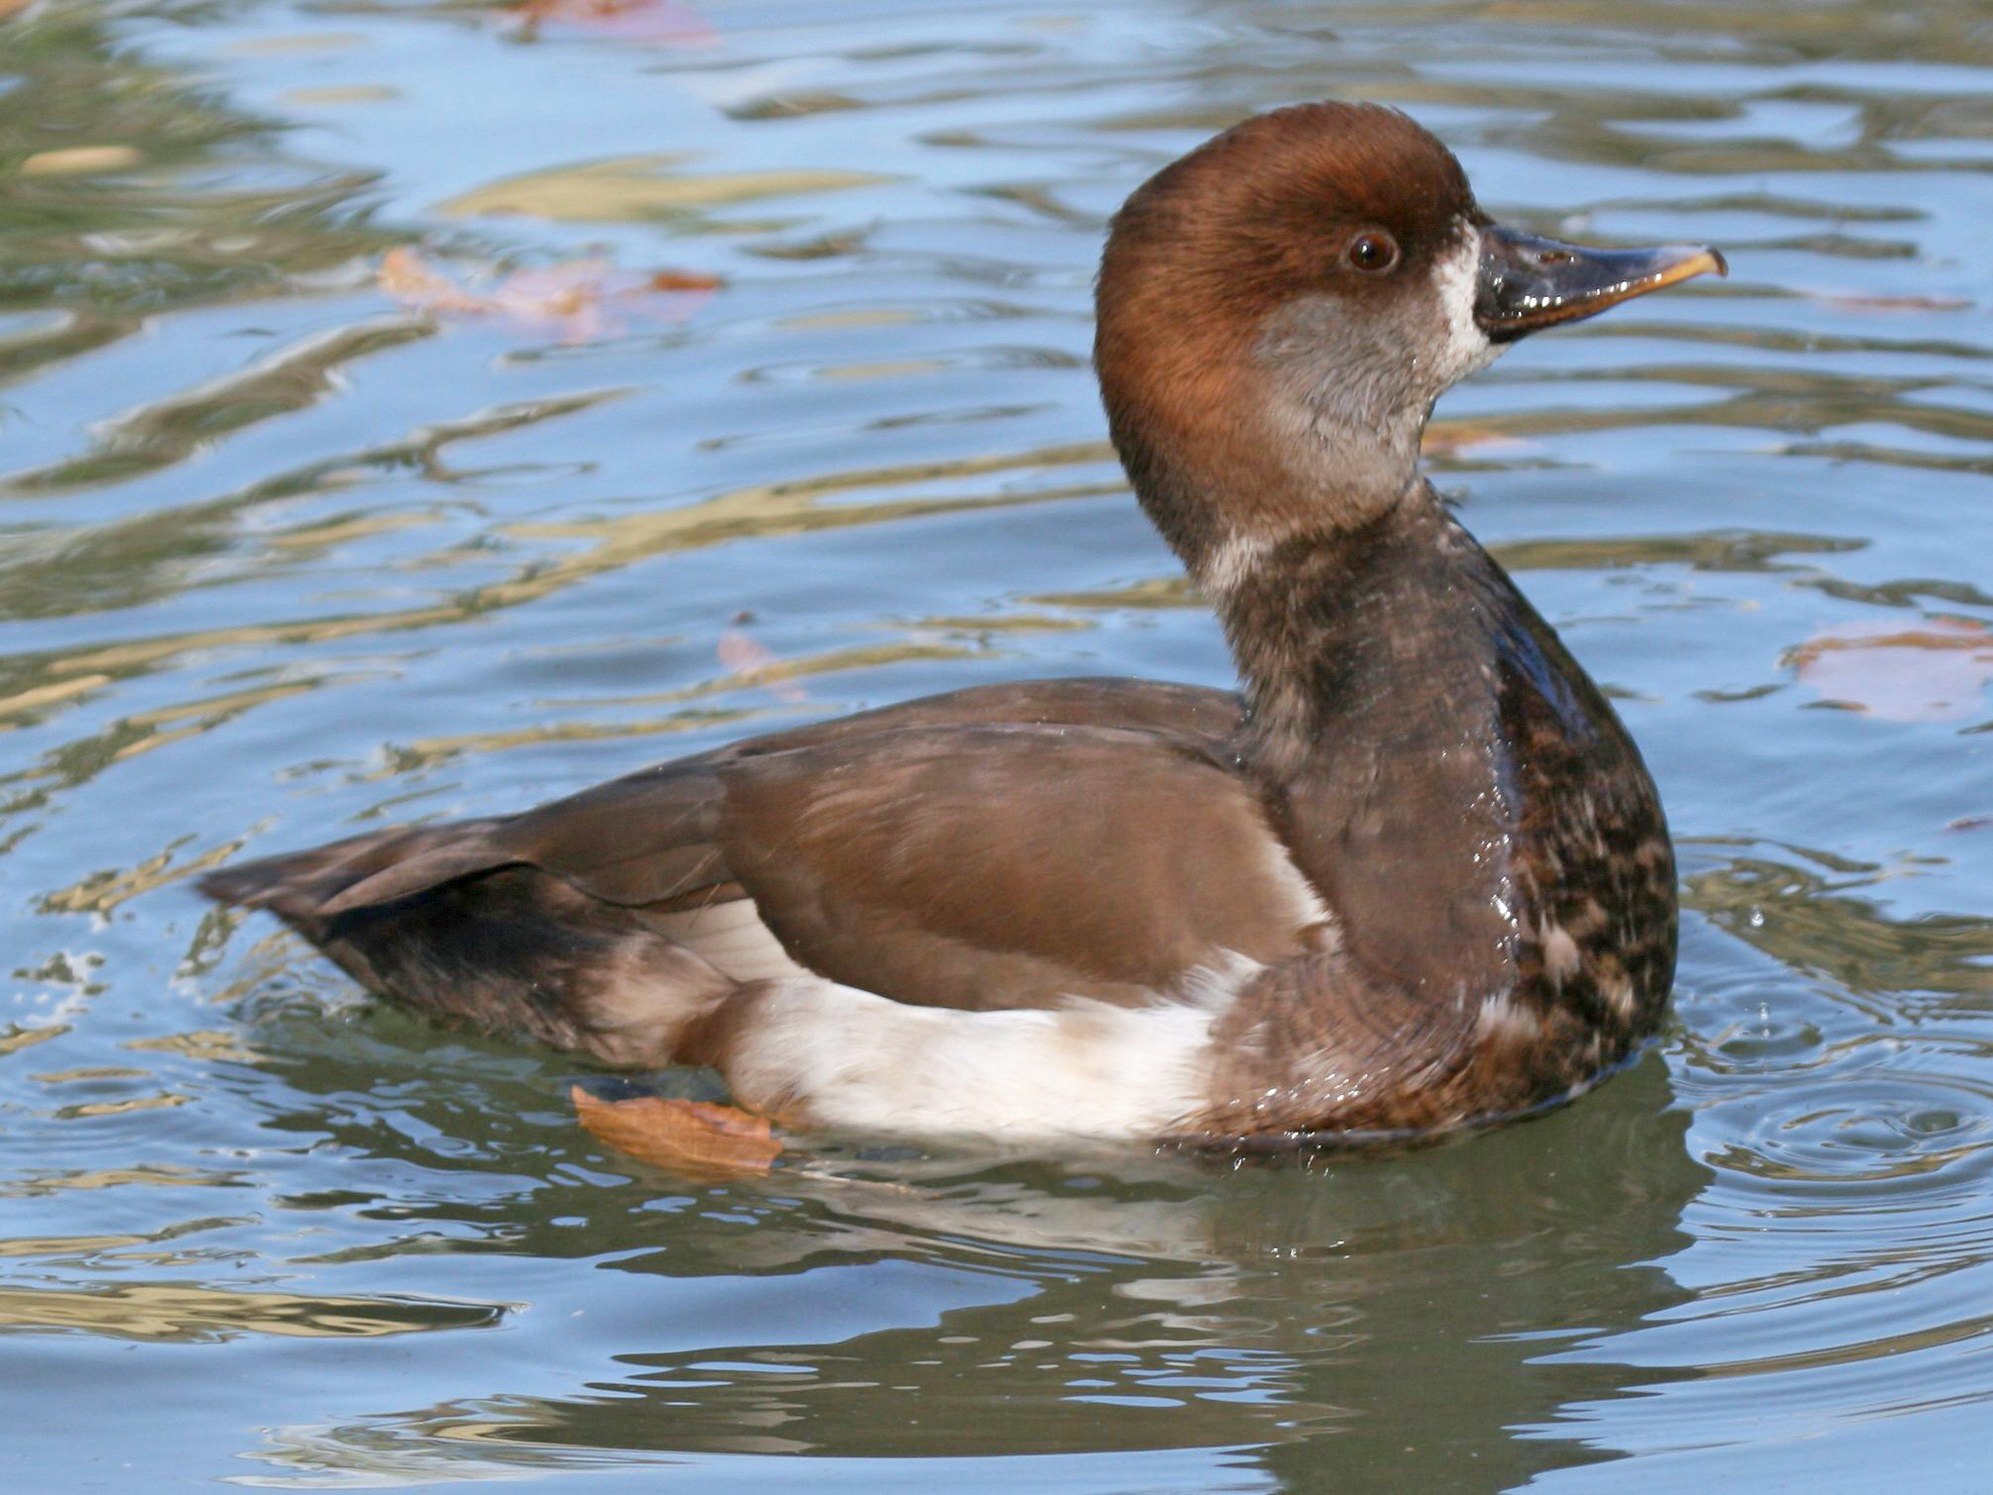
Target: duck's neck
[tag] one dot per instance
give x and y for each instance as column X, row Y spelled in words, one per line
column 1329, row 624
column 1462, row 794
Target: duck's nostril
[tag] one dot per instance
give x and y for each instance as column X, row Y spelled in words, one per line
column 1552, row 257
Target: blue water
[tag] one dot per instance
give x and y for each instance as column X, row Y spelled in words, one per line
column 355, row 466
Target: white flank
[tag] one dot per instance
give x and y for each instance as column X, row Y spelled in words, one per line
column 1457, row 273
column 732, row 937
column 852, row 1060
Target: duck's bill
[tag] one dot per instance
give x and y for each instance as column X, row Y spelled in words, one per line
column 1529, row 283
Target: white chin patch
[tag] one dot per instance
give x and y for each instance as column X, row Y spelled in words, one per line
column 1457, row 273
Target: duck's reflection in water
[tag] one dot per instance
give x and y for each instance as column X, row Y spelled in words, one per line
column 858, row 1308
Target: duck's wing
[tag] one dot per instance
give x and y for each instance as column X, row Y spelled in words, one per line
column 1000, row 866
column 1012, row 846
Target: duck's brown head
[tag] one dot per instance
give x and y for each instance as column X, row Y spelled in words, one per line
column 1279, row 309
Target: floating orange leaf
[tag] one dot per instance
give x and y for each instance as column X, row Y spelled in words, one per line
column 685, row 1136
column 665, row 22
column 578, row 301
column 1932, row 671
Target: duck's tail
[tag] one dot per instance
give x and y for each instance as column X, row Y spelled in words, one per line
column 507, row 948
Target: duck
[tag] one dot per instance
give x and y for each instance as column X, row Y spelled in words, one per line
column 1411, row 879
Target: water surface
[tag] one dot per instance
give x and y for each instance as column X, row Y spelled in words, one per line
column 426, row 409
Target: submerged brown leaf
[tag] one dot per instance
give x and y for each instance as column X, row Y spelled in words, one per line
column 685, row 1136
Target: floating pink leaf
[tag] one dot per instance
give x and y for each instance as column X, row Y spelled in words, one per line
column 576, row 302
column 755, row 663
column 1933, row 670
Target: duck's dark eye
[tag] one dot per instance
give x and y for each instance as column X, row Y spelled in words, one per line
column 1373, row 251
